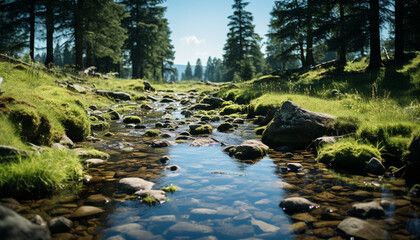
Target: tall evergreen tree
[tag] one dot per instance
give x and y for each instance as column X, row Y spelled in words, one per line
column 242, row 42
column 198, row 70
column 188, row 75
column 375, row 60
column 208, row 74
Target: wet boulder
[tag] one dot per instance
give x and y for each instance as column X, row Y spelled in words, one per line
column 155, row 195
column 213, row 101
column 86, row 212
column 13, row 226
column 60, row 225
column 296, row 126
column 361, row 229
column 203, row 142
column 367, row 210
column 133, row 184
column 200, row 106
column 225, row 126
column 197, row 129
column 250, row 149
column 160, row 143
column 147, row 86
column 113, row 114
column 297, row 204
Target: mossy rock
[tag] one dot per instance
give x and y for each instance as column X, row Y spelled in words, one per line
column 348, row 155
column 86, row 153
column 93, row 118
column 226, row 103
column 32, row 126
column 99, row 126
column 231, row 109
column 346, row 125
column 152, row 133
column 204, row 129
column 77, row 123
column 225, row 126
column 132, row 119
column 205, row 118
column 259, row 131
column 170, row 189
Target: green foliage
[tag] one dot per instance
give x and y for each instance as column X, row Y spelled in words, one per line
column 152, row 133
column 188, row 75
column 132, row 119
column 198, row 70
column 170, row 189
column 231, row 109
column 260, row 130
column 39, row 174
column 347, row 155
column 149, row 200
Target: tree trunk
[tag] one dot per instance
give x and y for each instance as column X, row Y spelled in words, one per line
column 399, row 31
column 375, row 40
column 309, row 37
column 342, row 60
column 302, row 54
column 78, row 34
column 32, row 30
column 135, row 66
column 49, row 25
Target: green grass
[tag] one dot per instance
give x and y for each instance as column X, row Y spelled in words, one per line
column 39, row 174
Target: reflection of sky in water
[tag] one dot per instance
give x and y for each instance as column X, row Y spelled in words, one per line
column 232, row 192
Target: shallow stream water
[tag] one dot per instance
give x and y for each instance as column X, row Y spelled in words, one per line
column 220, row 197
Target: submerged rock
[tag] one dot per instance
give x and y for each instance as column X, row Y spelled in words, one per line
column 375, row 166
column 186, row 227
column 172, row 168
column 13, row 226
column 297, row 204
column 367, row 210
column 203, row 142
column 155, row 195
column 296, row 126
column 86, row 212
column 164, row 159
column 159, row 143
column 354, row 227
column 60, row 225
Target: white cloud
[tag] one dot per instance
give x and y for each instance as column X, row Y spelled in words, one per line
column 193, row 40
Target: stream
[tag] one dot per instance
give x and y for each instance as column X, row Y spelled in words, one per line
column 220, row 197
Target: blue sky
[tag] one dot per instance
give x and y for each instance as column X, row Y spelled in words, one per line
column 199, row 27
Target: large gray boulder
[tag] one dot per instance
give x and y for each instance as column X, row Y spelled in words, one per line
column 296, row 126
column 361, row 229
column 368, row 209
column 133, row 184
column 15, row 227
column 297, row 204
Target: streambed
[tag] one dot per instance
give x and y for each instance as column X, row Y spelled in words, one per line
column 220, row 197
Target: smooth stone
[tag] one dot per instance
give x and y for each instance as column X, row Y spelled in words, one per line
column 164, row 159
column 162, row 218
column 86, row 212
column 130, row 231
column 203, row 211
column 172, row 168
column 158, row 195
column 13, row 226
column 323, row 224
column 133, row 184
column 250, row 149
column 186, row 227
column 360, row 195
column 203, row 142
column 95, row 161
column 160, row 143
column 39, row 221
column 265, row 227
column 60, row 225
column 97, row 199
column 296, row 204
column 299, row 227
column 324, row 232
column 305, row 217
column 355, row 227
column 294, row 167
column 367, row 210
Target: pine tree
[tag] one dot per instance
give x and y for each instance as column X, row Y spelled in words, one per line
column 242, row 42
column 58, row 56
column 188, row 75
column 208, row 74
column 198, row 70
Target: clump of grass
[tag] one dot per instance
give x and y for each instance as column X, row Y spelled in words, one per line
column 260, row 130
column 347, row 155
column 231, row 109
column 170, row 189
column 346, row 125
column 152, row 133
column 86, row 153
column 132, row 119
column 39, row 174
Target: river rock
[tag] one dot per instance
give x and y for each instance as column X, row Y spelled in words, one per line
column 265, row 227
column 158, row 195
column 188, row 228
column 305, row 217
column 133, row 184
column 97, row 199
column 200, row 106
column 297, row 204
column 39, row 221
column 13, row 226
column 114, row 114
column 164, row 159
column 60, row 225
column 66, row 141
column 147, row 86
column 299, row 227
column 250, row 149
column 160, row 143
column 146, row 107
column 296, row 126
column 187, row 113
column 116, row 95
column 294, row 167
column 360, row 195
column 172, row 168
column 86, row 212
column 367, row 210
column 213, row 101
column 375, row 166
column 321, row 141
column 224, row 127
column 355, row 227
column 95, row 161
column 203, row 142
column 130, row 231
